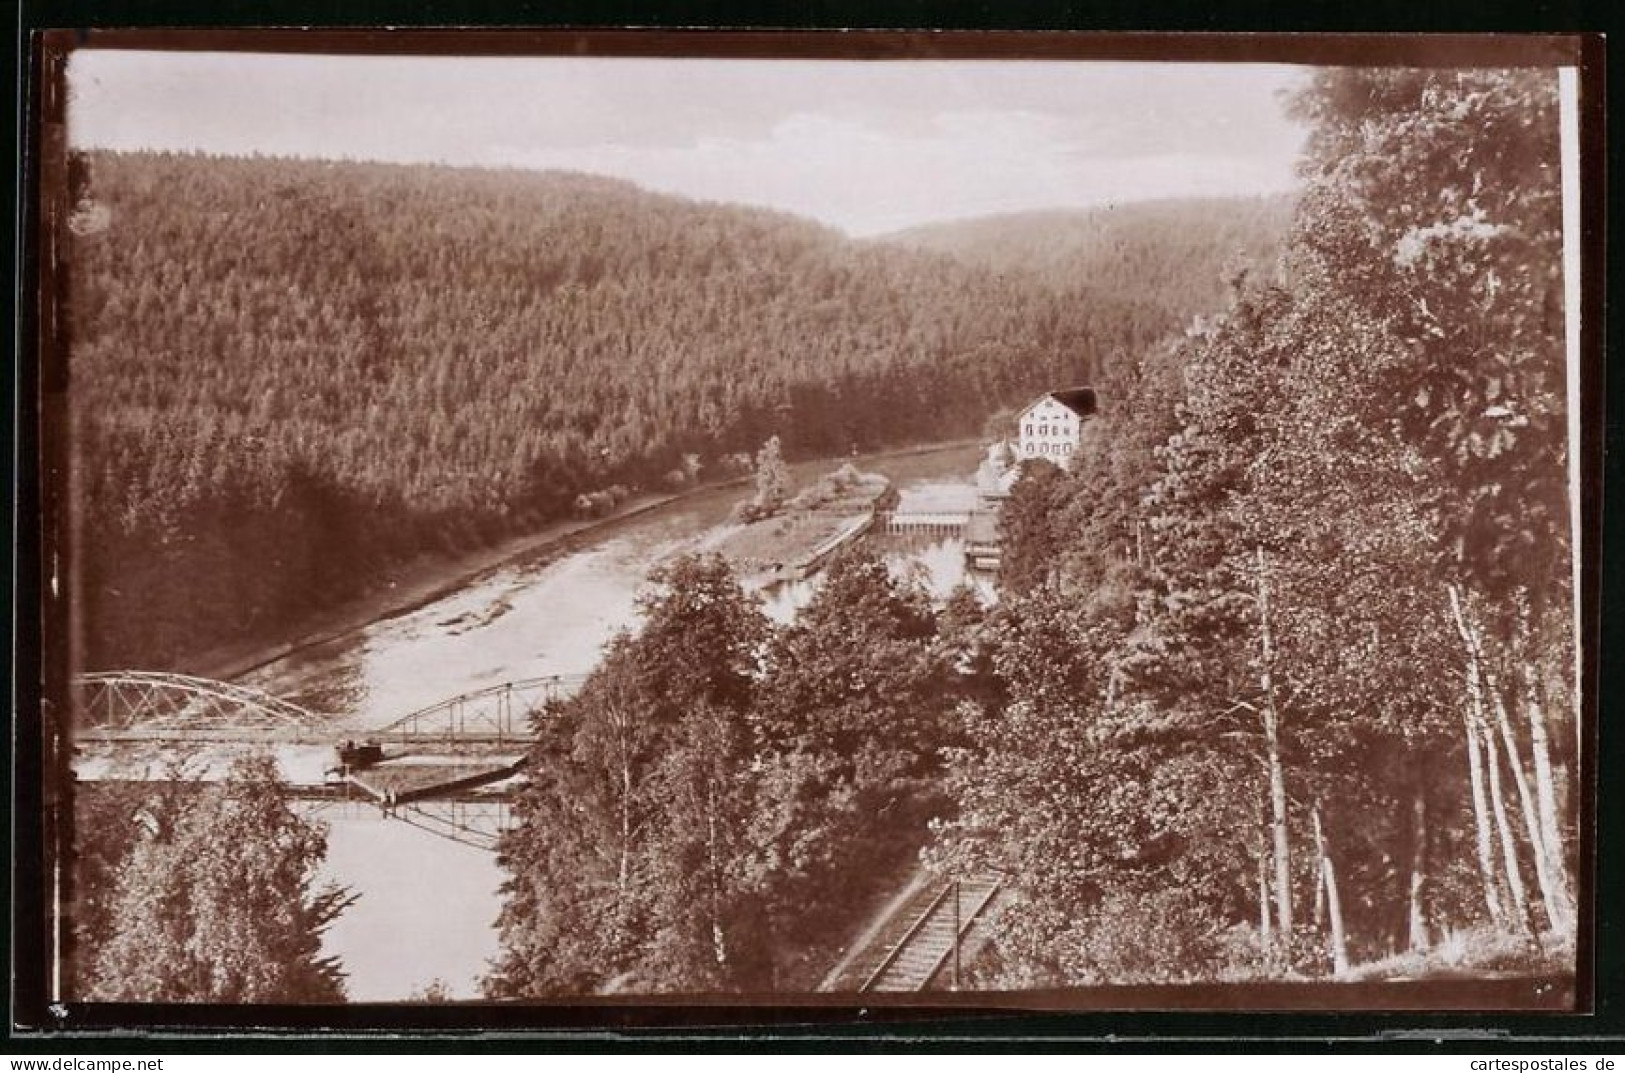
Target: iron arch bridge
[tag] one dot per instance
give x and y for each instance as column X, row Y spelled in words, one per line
column 151, row 706
column 159, row 706
column 495, row 715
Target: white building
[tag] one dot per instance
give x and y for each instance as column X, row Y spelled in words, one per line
column 1052, row 426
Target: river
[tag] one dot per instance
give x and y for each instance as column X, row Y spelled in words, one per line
column 428, row 905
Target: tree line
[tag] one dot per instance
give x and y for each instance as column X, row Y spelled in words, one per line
column 726, row 799
column 1295, row 634
column 289, row 377
column 1280, row 684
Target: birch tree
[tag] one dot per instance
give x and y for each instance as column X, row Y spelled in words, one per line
column 623, row 871
column 219, row 900
column 1437, row 200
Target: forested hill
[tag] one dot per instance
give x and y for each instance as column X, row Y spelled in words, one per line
column 290, row 374
column 1173, row 251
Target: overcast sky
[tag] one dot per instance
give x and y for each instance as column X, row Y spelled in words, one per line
column 869, row 147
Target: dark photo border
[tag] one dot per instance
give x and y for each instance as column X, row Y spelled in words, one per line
column 1484, row 1014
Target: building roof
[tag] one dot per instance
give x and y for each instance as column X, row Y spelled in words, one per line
column 1080, row 400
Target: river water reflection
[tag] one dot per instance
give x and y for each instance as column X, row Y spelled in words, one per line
column 428, row 905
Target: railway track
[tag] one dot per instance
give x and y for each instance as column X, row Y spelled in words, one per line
column 914, row 950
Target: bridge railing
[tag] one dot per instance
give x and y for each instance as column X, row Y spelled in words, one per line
column 159, row 704
column 496, row 714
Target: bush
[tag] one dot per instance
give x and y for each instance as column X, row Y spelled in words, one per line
column 747, row 511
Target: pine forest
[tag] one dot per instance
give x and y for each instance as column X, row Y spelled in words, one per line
column 288, row 376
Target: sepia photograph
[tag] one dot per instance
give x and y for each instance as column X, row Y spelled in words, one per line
column 614, row 519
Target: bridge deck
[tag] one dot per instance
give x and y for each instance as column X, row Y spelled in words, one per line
column 400, row 783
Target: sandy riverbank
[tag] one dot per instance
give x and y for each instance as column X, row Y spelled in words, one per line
column 414, row 584
column 431, row 577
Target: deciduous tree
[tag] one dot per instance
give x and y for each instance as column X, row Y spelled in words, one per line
column 219, row 901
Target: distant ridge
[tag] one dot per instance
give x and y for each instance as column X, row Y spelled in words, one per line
column 1173, row 251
